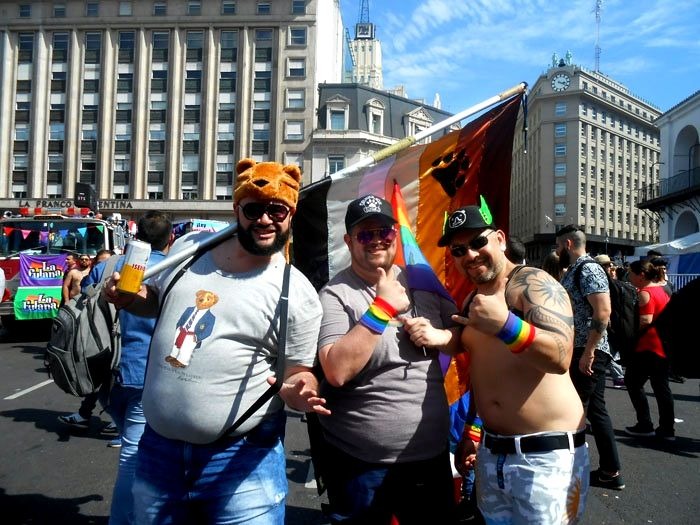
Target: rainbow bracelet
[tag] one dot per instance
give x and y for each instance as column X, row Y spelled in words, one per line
column 516, row 333
column 473, row 429
column 376, row 318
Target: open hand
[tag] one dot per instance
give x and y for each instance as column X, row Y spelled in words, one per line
column 299, row 397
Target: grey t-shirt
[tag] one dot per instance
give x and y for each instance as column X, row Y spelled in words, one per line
column 215, row 345
column 395, row 409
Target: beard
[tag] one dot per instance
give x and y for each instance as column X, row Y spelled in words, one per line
column 245, row 237
column 564, row 260
column 495, row 269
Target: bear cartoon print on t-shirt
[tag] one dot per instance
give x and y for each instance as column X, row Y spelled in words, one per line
column 195, row 324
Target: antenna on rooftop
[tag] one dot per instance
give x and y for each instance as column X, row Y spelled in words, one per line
column 363, row 17
column 598, row 9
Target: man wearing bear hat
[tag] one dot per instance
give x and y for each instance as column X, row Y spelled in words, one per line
column 191, row 467
column 532, row 462
column 378, row 347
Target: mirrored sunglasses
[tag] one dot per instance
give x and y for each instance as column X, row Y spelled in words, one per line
column 385, row 234
column 254, row 210
column 476, row 244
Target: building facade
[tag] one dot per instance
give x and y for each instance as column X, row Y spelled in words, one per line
column 591, row 145
column 675, row 198
column 153, row 102
column 355, row 121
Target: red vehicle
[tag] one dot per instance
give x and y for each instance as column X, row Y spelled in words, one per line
column 36, row 231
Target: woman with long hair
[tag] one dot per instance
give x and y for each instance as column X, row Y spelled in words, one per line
column 649, row 361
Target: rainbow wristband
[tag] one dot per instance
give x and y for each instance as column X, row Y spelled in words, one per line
column 473, row 429
column 516, row 333
column 376, row 318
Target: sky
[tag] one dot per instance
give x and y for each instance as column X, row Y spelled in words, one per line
column 470, row 50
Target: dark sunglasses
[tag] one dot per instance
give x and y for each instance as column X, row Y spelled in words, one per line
column 254, row 210
column 385, row 234
column 476, row 244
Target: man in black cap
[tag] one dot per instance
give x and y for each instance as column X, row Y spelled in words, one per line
column 378, row 347
column 532, row 460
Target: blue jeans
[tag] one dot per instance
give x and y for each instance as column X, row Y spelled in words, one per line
column 416, row 492
column 234, row 480
column 127, row 413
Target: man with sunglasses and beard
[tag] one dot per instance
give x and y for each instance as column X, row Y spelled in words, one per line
column 191, row 467
column 378, row 346
column 532, row 461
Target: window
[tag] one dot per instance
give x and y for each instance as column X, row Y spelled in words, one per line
column 559, row 150
column 191, row 114
column 261, row 85
column 93, row 47
column 194, row 7
column 91, row 85
column 125, row 83
column 195, row 40
column 160, row 46
column 335, row 163
column 126, row 47
column 26, row 47
column 298, row 7
column 193, row 82
column 229, row 41
column 228, row 7
column 560, row 169
column 559, row 210
column 294, row 130
column 190, row 147
column 227, row 82
column 122, row 146
column 89, row 114
column 227, row 113
column 25, row 10
column 297, row 36
column 92, row 8
column 225, row 147
column 160, row 8
column 263, row 54
column 560, row 189
column 296, row 67
column 560, row 130
column 295, row 99
column 264, row 8
column 560, row 108
column 159, row 81
column 25, row 86
column 156, row 147
column 60, row 48
column 261, row 115
column 337, row 119
column 124, row 8
column 123, row 116
column 58, row 82
column 263, row 35
column 59, row 10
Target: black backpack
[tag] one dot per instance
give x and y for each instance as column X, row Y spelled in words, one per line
column 623, row 329
column 85, row 342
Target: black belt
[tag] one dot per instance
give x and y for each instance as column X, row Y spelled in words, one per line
column 529, row 444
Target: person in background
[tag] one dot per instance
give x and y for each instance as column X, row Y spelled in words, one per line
column 378, row 348
column 72, row 280
column 589, row 290
column 649, row 362
column 615, row 368
column 532, row 463
column 550, row 264
column 660, row 264
column 71, row 261
column 515, row 250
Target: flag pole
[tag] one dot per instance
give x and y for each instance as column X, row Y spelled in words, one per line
column 229, row 231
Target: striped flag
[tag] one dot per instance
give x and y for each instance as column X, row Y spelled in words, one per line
column 434, row 178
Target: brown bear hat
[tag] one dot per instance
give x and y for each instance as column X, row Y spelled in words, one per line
column 267, row 181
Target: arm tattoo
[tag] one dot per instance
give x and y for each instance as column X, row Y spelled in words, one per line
column 598, row 326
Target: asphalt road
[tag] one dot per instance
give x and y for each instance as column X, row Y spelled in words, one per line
column 50, row 474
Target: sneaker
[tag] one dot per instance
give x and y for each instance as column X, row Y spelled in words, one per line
column 606, row 481
column 678, row 420
column 115, row 443
column 639, row 431
column 110, row 428
column 75, row 420
column 667, row 435
column 618, row 383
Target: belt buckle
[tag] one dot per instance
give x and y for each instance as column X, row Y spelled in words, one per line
column 516, row 442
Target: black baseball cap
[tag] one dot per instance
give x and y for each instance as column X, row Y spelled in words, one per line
column 465, row 218
column 366, row 207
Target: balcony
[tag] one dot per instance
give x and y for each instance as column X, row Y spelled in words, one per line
column 669, row 191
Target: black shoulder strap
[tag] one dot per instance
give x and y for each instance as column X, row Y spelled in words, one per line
column 281, row 357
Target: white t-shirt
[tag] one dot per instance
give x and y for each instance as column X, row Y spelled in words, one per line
column 235, row 350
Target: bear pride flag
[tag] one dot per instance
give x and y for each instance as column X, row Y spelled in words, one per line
column 434, row 179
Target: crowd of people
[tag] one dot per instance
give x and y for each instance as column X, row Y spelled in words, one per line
column 202, row 443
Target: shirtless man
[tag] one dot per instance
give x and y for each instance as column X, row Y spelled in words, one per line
column 532, row 463
column 71, row 282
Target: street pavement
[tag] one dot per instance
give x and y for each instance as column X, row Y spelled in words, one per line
column 52, row 474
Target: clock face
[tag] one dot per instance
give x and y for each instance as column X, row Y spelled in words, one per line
column 560, row 82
